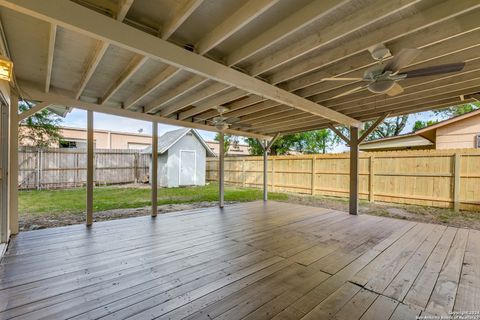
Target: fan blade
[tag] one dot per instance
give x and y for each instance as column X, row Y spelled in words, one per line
column 241, row 125
column 232, row 119
column 348, row 92
column 402, row 59
column 341, row 79
column 431, row 71
column 395, row 90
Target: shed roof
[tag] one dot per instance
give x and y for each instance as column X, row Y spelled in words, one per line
column 168, row 139
column 176, row 61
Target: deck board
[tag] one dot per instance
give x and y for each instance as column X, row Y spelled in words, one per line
column 248, row 261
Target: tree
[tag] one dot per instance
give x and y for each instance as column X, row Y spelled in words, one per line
column 454, row 111
column 388, row 128
column 318, row 141
column 228, row 140
column 41, row 129
column 419, row 124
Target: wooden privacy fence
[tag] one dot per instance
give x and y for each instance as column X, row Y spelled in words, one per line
column 439, row 178
column 67, row 168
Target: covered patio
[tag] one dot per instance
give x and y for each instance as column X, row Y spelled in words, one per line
column 250, row 261
column 260, row 69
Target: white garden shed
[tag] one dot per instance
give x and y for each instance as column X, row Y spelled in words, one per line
column 181, row 158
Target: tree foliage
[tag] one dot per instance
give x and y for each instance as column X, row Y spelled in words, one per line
column 41, row 129
column 419, row 124
column 388, row 128
column 228, row 140
column 454, row 111
column 318, row 141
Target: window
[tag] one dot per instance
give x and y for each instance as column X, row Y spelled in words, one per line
column 73, row 144
column 477, row 141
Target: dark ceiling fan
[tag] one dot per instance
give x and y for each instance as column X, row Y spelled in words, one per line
column 384, row 77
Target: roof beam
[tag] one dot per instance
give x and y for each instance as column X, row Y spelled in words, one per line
column 193, row 98
column 30, row 112
column 100, row 50
column 441, row 12
column 354, row 22
column 248, row 12
column 122, row 9
column 175, row 93
column 178, row 17
column 235, row 107
column 210, row 104
column 153, row 84
column 136, row 63
column 51, row 50
column 66, row 99
column 284, row 28
column 80, row 19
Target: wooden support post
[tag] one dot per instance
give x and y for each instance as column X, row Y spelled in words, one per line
column 314, row 175
column 371, row 180
column 90, row 173
column 265, row 177
column 154, row 173
column 456, row 183
column 13, row 165
column 354, row 170
column 221, row 171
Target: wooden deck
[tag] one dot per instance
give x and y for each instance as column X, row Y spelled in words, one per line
column 251, row 261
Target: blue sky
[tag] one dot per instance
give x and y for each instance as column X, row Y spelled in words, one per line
column 78, row 118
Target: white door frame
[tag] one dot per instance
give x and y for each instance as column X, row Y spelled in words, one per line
column 3, row 171
column 194, row 167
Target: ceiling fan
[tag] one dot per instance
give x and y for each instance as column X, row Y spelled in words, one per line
column 221, row 122
column 384, row 77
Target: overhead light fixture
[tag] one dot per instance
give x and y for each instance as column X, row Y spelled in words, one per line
column 6, row 68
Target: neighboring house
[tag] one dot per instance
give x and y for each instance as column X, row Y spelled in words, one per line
column 181, row 158
column 461, row 132
column 235, row 149
column 76, row 138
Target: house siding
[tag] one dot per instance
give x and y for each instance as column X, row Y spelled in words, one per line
column 460, row 134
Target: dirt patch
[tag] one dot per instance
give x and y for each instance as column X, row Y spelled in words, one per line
column 463, row 219
column 34, row 222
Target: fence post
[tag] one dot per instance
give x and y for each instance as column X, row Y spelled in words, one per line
column 136, row 177
column 371, row 181
column 243, row 173
column 456, row 182
column 273, row 174
column 38, row 168
column 314, row 170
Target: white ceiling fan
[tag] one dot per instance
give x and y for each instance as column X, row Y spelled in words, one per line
column 384, row 77
column 221, row 122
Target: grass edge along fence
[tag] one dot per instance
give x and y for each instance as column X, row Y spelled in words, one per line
column 55, row 168
column 437, row 178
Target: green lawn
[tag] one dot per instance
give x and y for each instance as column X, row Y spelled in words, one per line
column 38, row 202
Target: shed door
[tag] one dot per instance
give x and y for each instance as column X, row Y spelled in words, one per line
column 188, row 163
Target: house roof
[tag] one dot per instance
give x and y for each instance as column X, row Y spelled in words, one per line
column 401, row 141
column 421, row 137
column 449, row 121
column 168, row 139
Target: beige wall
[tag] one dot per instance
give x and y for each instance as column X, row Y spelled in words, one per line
column 240, row 150
column 107, row 139
column 459, row 134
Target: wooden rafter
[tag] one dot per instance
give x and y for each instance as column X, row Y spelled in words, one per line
column 136, row 63
column 178, row 17
column 233, row 23
column 51, row 51
column 211, row 103
column 284, row 28
column 354, row 22
column 72, row 16
column 441, row 12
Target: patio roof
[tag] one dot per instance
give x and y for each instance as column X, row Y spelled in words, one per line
column 174, row 62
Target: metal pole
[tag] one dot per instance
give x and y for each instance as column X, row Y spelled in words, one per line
column 89, row 167
column 221, row 176
column 354, row 170
column 154, row 174
column 265, row 178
